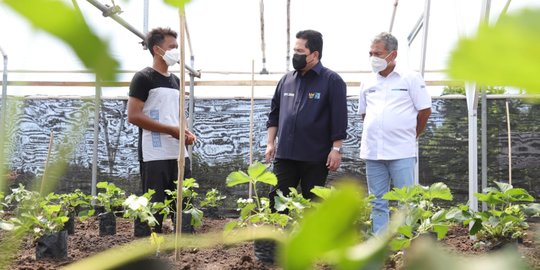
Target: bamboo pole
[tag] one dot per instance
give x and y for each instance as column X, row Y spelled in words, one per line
column 182, row 129
column 251, row 121
column 46, row 164
column 509, row 143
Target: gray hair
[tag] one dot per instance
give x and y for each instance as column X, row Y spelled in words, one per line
column 390, row 42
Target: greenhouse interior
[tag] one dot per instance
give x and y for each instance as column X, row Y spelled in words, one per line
column 77, row 193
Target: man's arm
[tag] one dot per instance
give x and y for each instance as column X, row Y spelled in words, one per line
column 421, row 121
column 137, row 117
column 270, row 144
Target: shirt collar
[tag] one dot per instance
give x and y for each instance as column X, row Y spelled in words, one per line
column 397, row 69
column 317, row 69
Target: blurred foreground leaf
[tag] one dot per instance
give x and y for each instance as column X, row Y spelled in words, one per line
column 507, row 53
column 330, row 234
column 122, row 255
column 177, row 3
column 66, row 23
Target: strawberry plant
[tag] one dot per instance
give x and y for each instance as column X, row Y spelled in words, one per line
column 424, row 216
column 255, row 211
column 505, row 218
column 112, row 197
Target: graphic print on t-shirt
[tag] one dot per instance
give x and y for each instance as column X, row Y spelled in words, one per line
column 156, row 140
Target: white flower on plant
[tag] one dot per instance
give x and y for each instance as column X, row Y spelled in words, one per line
column 135, row 202
column 244, row 201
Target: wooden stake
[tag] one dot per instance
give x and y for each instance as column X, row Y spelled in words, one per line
column 46, row 163
column 182, row 137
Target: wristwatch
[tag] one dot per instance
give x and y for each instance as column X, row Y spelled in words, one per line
column 338, row 149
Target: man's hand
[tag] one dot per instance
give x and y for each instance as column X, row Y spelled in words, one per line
column 270, row 153
column 190, row 137
column 334, row 160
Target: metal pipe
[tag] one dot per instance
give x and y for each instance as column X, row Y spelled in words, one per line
column 484, row 18
column 263, row 46
column 97, row 106
column 393, row 16
column 288, row 59
column 425, row 36
column 484, row 144
column 110, row 12
column 472, row 105
column 145, row 16
column 4, row 90
column 422, row 69
column 414, row 32
column 191, row 109
column 4, row 108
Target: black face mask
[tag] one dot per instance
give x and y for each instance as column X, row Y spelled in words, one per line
column 299, row 61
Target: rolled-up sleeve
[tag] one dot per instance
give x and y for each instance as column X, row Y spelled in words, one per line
column 338, row 108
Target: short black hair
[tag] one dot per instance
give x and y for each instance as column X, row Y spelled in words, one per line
column 314, row 40
column 157, row 36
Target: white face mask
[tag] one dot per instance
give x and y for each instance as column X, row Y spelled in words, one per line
column 378, row 64
column 171, row 56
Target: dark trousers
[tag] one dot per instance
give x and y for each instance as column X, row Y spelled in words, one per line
column 160, row 175
column 291, row 173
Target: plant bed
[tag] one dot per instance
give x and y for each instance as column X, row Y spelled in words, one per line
column 86, row 242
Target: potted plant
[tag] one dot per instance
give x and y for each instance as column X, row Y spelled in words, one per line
column 108, row 203
column 40, row 217
column 191, row 215
column 255, row 211
column 74, row 204
column 140, row 209
column 211, row 203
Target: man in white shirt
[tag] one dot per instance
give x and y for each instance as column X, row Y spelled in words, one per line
column 395, row 107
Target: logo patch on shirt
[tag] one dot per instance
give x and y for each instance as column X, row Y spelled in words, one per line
column 371, row 90
column 288, row 94
column 400, row 89
column 314, row 95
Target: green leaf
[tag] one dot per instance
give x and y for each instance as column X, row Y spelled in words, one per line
column 476, row 227
column 519, row 194
column 177, row 3
column 532, row 209
column 399, row 243
column 503, row 187
column 480, row 58
column 236, row 178
column 280, row 202
column 406, row 231
column 439, row 216
column 196, row 217
column 326, row 230
column 229, row 226
column 441, row 230
column 439, row 191
column 267, row 178
column 247, row 210
column 256, row 169
column 67, row 24
column 322, row 192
